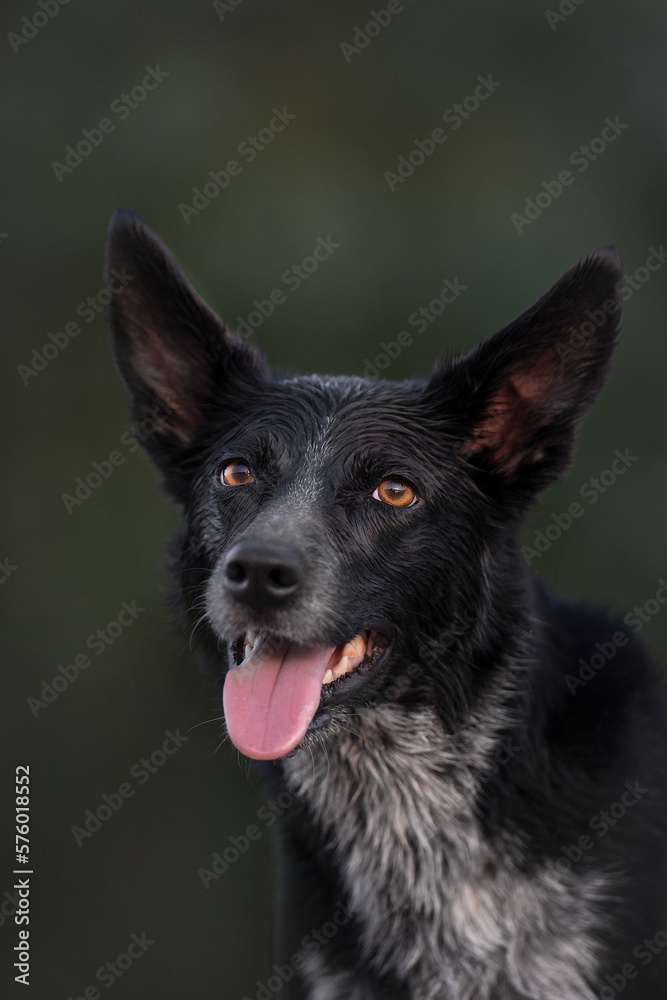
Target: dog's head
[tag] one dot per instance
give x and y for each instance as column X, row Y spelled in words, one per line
column 342, row 536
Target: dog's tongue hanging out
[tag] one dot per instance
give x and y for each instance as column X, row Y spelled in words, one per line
column 272, row 697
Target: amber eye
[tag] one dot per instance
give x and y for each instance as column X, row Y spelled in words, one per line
column 396, row 492
column 236, row 473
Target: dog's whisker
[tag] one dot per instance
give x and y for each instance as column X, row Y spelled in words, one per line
column 206, row 722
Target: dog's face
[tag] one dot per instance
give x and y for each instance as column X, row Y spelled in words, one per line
column 338, row 531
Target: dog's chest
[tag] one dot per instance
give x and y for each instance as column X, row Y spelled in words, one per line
column 438, row 904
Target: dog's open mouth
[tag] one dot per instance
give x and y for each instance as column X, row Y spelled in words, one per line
column 275, row 688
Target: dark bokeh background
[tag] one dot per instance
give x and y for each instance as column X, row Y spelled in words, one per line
column 322, row 176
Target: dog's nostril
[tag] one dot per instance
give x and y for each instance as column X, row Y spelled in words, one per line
column 236, row 571
column 282, row 578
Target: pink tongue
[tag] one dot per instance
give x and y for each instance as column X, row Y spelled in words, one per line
column 272, row 697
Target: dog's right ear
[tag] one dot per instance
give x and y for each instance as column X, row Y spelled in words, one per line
column 177, row 358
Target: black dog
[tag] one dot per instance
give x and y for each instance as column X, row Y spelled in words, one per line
column 466, row 823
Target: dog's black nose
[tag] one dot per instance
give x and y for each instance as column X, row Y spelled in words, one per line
column 262, row 574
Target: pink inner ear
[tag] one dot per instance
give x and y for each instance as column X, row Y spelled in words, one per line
column 176, row 379
column 514, row 413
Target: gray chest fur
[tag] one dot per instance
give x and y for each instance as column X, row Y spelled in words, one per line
column 439, row 906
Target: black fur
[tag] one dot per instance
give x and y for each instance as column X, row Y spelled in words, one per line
column 442, row 801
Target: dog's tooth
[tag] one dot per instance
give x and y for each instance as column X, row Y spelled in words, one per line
column 342, row 667
column 328, row 678
column 251, row 636
column 355, row 647
column 247, row 650
column 351, row 656
column 359, row 643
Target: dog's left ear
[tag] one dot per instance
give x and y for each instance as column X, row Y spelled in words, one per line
column 521, row 393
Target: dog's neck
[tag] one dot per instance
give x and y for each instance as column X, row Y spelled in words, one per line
column 395, row 799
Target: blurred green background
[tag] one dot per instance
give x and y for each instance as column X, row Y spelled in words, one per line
column 224, row 68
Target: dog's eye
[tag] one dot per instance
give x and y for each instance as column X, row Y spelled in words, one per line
column 236, row 473
column 396, row 492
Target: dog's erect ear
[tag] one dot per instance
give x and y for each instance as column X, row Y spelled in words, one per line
column 176, row 357
column 521, row 392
